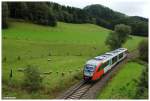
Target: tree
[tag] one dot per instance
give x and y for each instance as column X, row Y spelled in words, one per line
column 32, row 80
column 18, row 10
column 52, row 20
column 5, row 13
column 36, row 12
column 122, row 31
column 43, row 14
column 139, row 25
column 118, row 37
column 113, row 41
column 143, row 50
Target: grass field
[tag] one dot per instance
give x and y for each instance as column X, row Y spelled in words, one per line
column 123, row 85
column 68, row 46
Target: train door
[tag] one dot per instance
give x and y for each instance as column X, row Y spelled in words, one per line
column 118, row 58
column 106, row 66
column 99, row 72
column 110, row 63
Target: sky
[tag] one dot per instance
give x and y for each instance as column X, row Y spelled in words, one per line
column 128, row 7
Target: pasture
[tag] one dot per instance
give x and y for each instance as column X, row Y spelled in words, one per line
column 67, row 46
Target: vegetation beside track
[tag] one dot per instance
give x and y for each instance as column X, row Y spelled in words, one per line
column 123, row 84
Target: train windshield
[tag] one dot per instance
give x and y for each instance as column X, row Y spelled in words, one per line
column 89, row 69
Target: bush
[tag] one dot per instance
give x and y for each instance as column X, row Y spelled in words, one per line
column 112, row 41
column 142, row 85
column 143, row 50
column 4, row 59
column 49, row 54
column 118, row 37
column 18, row 58
column 32, row 80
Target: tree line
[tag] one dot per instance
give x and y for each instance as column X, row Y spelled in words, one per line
column 108, row 18
column 48, row 13
column 36, row 12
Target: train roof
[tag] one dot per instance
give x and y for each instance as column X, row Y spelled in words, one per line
column 103, row 58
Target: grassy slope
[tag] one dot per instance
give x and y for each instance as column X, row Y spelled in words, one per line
column 122, row 86
column 70, row 45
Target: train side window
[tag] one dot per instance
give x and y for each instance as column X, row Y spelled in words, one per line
column 103, row 65
column 114, row 59
column 120, row 55
column 100, row 68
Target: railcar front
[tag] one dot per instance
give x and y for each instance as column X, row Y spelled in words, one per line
column 88, row 71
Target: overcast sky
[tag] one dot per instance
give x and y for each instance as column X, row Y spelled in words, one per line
column 129, row 7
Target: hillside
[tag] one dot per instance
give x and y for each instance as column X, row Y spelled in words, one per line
column 68, row 46
column 108, row 18
column 48, row 13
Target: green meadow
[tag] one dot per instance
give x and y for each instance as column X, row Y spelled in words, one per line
column 62, row 49
column 123, row 85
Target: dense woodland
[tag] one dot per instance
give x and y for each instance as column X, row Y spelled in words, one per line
column 48, row 13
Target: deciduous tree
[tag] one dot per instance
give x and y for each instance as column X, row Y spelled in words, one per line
column 118, row 37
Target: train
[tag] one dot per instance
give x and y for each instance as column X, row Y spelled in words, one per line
column 95, row 68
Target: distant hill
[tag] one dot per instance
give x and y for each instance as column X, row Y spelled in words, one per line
column 108, row 18
column 102, row 12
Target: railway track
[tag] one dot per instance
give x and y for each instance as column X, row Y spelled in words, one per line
column 80, row 90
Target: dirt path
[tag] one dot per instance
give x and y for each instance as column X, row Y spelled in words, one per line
column 97, row 87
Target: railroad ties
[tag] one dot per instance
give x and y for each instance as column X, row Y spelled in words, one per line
column 78, row 91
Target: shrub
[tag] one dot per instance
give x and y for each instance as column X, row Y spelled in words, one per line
column 4, row 59
column 18, row 58
column 63, row 74
column 143, row 50
column 49, row 54
column 70, row 71
column 118, row 37
column 32, row 80
column 142, row 85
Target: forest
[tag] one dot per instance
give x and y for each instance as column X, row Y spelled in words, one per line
column 48, row 13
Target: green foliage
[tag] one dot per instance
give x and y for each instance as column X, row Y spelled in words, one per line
column 18, row 10
column 102, row 12
column 47, row 13
column 37, row 12
column 123, row 32
column 117, row 38
column 113, row 41
column 4, row 59
column 143, row 50
column 32, row 80
column 108, row 18
column 5, row 13
column 142, row 86
column 123, row 84
column 70, row 14
column 139, row 25
column 18, row 58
